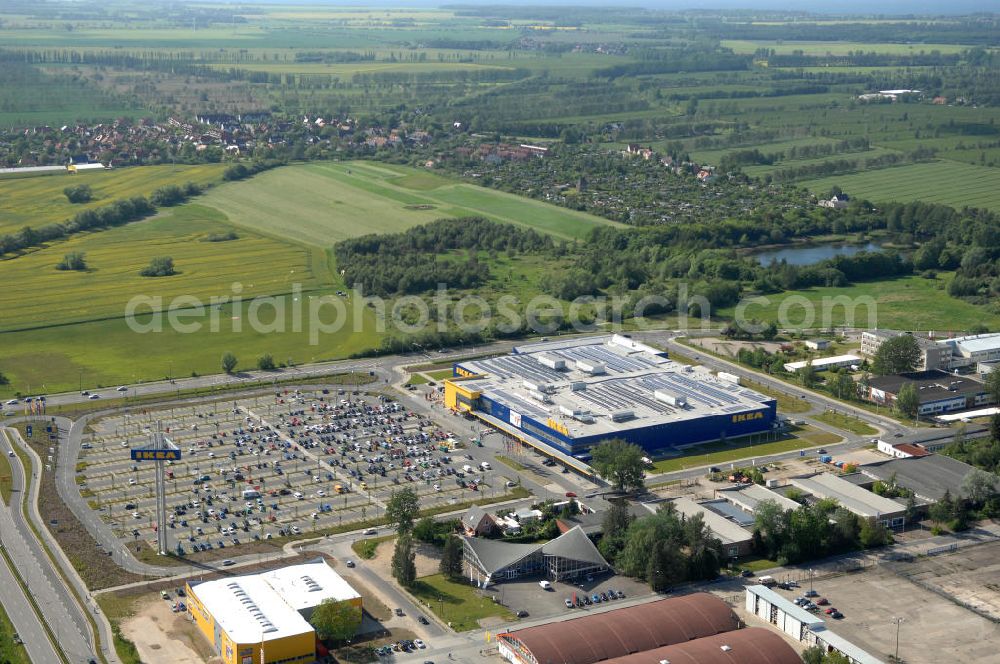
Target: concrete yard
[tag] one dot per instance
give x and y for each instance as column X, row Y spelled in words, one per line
column 934, row 630
column 163, row 637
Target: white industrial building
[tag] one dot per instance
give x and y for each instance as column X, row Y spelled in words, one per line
column 852, row 497
column 788, row 617
column 748, row 496
column 934, row 354
column 975, row 348
column 824, row 363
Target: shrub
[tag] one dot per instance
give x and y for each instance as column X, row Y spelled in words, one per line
column 160, row 266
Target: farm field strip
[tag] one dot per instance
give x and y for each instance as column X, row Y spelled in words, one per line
column 36, row 294
column 37, row 201
column 323, row 203
column 948, row 182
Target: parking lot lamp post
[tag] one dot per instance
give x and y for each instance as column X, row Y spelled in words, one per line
column 897, row 620
column 811, row 572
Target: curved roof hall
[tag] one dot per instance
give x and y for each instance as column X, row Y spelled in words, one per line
column 621, row 632
column 753, row 645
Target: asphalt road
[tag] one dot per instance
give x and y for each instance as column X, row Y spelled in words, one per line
column 22, row 616
column 61, row 611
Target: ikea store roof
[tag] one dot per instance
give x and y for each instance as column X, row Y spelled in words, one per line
column 266, row 606
column 600, row 385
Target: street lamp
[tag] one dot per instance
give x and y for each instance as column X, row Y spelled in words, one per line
column 897, row 620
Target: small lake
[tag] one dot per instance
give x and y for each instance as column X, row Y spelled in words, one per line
column 812, row 253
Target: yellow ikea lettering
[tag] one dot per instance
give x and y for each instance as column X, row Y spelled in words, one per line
column 747, row 417
column 465, row 373
column 557, row 426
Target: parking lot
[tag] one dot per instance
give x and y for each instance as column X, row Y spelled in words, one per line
column 526, row 595
column 278, row 464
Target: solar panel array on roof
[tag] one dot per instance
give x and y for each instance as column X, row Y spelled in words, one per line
column 523, row 405
column 694, row 391
column 731, row 512
column 522, row 366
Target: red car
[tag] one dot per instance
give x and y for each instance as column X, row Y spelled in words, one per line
column 570, row 494
column 831, row 611
column 822, row 601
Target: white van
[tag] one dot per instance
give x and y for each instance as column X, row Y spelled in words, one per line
column 250, row 494
column 469, row 469
column 545, row 585
column 767, row 581
column 485, row 465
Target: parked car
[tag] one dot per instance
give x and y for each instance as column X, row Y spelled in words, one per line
column 399, row 612
column 522, row 614
column 822, row 601
column 423, row 620
column 545, row 585
column 349, row 563
column 569, row 603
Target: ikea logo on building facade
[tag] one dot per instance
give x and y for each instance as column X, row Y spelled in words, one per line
column 464, row 373
column 557, row 426
column 747, row 417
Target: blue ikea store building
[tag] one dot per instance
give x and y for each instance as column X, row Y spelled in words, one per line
column 569, row 396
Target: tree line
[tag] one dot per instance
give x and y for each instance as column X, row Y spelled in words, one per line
column 418, row 259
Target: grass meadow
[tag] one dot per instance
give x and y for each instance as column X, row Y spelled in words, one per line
column 35, row 293
column 37, row 201
column 906, row 303
column 323, row 203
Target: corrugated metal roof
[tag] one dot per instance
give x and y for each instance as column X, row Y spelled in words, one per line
column 625, row 631
column 753, row 645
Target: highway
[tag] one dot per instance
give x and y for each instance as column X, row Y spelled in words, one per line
column 61, row 611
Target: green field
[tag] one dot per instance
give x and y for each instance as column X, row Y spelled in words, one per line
column 323, row 203
column 842, row 421
column 457, row 604
column 37, row 294
column 36, row 201
column 948, row 182
column 107, row 353
column 786, row 47
column 906, row 303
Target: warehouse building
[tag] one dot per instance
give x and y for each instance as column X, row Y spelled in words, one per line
column 975, row 348
column 748, row 496
column 938, row 391
column 824, row 363
column 854, row 498
column 263, row 618
column 928, row 476
column 786, row 616
column 933, row 354
column 568, row 556
column 610, row 634
column 727, row 523
column 564, row 397
column 753, row 645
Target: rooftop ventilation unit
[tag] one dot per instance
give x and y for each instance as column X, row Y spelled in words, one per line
column 591, row 367
column 551, row 362
column 726, row 648
column 578, row 386
column 677, row 400
column 622, row 415
column 539, row 396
